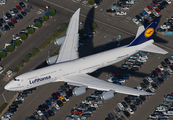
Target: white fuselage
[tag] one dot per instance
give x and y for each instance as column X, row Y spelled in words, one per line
column 88, row 64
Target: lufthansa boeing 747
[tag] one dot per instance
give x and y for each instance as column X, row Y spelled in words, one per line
column 73, row 70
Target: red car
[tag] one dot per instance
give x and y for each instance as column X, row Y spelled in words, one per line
column 57, row 94
column 18, row 8
column 13, row 20
column 157, row 10
column 76, row 111
column 150, row 8
column 158, row 70
column 155, row 2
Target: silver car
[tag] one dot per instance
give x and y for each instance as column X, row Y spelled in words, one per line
column 3, row 30
column 60, row 91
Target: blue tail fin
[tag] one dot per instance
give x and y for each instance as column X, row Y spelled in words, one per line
column 145, row 35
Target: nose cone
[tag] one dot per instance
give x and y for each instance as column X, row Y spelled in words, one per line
column 10, row 85
column 7, row 87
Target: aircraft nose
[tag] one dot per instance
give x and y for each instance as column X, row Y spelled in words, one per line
column 7, row 87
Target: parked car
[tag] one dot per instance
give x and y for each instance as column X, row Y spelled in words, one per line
column 127, row 100
column 48, row 103
column 126, row 113
column 18, row 8
column 118, row 111
column 11, row 25
column 15, row 10
column 23, row 13
column 12, row 12
column 29, row 7
column 22, row 4
column 20, row 16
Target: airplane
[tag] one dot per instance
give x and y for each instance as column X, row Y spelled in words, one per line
column 74, row 70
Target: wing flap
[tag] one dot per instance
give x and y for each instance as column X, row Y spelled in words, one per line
column 94, row 83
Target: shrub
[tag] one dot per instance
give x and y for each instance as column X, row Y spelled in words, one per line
column 31, row 30
column 45, row 18
column 34, row 52
column 91, row 2
column 10, row 48
column 28, row 55
column 16, row 42
column 3, row 54
column 16, row 69
column 20, row 65
column 63, row 26
column 51, row 12
column 93, row 26
column 38, row 24
column 23, row 36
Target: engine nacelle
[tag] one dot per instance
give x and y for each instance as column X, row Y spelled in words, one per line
column 52, row 60
column 79, row 90
column 107, row 95
column 59, row 41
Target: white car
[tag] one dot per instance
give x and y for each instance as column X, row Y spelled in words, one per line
column 168, row 113
column 66, row 97
column 86, row 101
column 95, row 5
column 19, row 98
column 170, row 71
column 120, row 106
column 60, row 91
column 142, row 60
column 98, row 102
column 160, row 108
column 39, row 112
column 121, row 13
column 94, row 105
column 130, row 110
column 168, row 1
column 9, row 73
column 12, row 12
column 110, row 79
column 94, row 95
column 6, row 18
column 120, row 80
column 124, row 8
column 56, row 106
column 140, row 88
column 149, row 79
column 156, row 14
column 136, row 21
column 165, row 26
column 161, row 68
column 152, row 89
column 143, row 57
column 147, row 10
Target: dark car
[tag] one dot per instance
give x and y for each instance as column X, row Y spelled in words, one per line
column 23, row 13
column 160, row 7
column 98, row 92
column 8, row 15
column 167, row 61
column 86, row 115
column 133, row 107
column 157, row 113
column 11, row 25
column 92, row 108
column 136, row 103
column 15, row 10
column 46, row 114
column 14, row 21
column 128, row 101
column 158, row 70
column 138, row 17
column 51, row 113
column 160, row 79
column 40, row 107
column 143, row 86
column 161, row 30
column 68, row 94
column 167, row 74
column 17, row 18
column 154, row 74
column 2, row 21
column 59, row 103
column 132, row 97
column 154, row 85
column 29, row 7
column 12, row 110
column 6, row 27
column 157, row 81
column 148, row 90
column 127, row 114
column 142, row 97
column 146, row 82
column 27, row 11
column 171, row 66
column 32, row 118
column 90, row 98
column 0, row 24
column 153, row 16
column 124, row 104
column 13, row 106
column 66, row 85
column 17, row 102
column 84, row 104
column 20, row 16
column 22, row 4
column 28, row 91
column 46, row 107
column 54, row 96
column 63, row 88
column 164, row 64
column 138, row 100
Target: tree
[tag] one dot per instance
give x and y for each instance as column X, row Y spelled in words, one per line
column 34, row 52
column 31, row 30
column 63, row 26
column 38, row 24
column 20, row 65
column 23, row 36
column 17, row 42
column 91, row 2
column 27, row 57
column 93, row 26
column 3, row 54
column 10, row 48
column 45, row 18
column 16, row 69
column 51, row 12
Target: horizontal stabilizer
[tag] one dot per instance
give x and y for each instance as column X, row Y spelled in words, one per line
column 154, row 49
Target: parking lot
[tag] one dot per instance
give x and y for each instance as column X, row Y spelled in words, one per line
column 104, row 34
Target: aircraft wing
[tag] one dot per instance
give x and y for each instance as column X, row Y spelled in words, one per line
column 69, row 49
column 95, row 83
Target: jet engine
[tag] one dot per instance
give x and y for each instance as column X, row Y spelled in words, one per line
column 52, row 60
column 107, row 95
column 59, row 41
column 79, row 90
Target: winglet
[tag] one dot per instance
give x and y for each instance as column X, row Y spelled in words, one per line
column 145, row 35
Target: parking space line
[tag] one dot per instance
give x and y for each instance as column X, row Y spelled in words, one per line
column 4, row 98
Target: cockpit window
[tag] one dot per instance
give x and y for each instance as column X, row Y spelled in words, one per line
column 16, row 79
